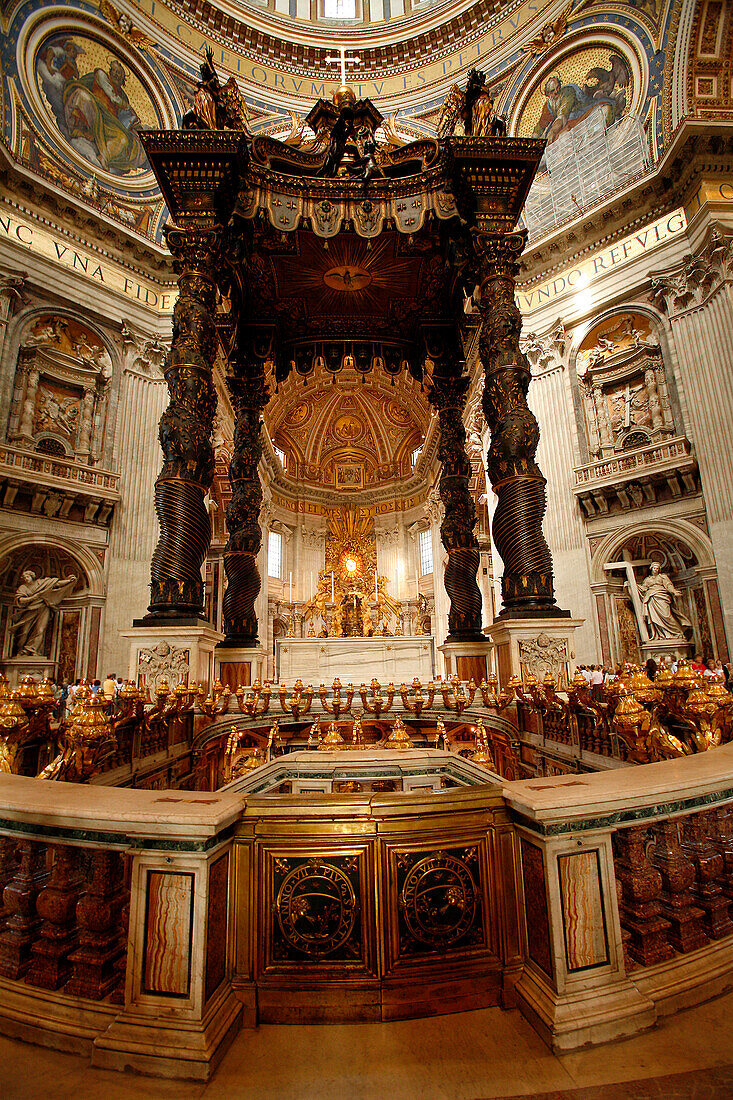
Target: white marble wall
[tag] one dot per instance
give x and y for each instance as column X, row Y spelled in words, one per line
column 551, row 401
column 135, row 526
column 697, row 297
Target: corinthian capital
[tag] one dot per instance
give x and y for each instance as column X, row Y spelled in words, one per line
column 12, row 286
column 691, row 281
column 195, row 250
column 499, row 252
column 545, row 352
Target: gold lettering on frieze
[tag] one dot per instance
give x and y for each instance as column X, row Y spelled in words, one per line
column 580, row 277
column 83, row 260
column 268, row 79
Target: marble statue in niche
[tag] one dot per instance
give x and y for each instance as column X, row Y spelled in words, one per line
column 36, row 598
column 663, row 621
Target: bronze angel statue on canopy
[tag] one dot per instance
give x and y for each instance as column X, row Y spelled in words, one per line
column 474, row 108
column 216, row 106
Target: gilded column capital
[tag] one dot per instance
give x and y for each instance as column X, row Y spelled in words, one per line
column 498, row 253
column 195, row 250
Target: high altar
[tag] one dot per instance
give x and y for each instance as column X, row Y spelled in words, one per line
column 355, row 660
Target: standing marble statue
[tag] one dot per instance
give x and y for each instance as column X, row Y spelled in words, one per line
column 35, row 600
column 663, row 621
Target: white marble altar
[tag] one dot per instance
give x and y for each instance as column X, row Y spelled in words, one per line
column 355, row 660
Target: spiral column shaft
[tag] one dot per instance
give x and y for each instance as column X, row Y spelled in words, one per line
column 177, row 590
column 527, row 584
column 249, row 396
column 448, row 395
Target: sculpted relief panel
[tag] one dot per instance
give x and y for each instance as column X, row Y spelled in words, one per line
column 623, row 385
column 61, row 389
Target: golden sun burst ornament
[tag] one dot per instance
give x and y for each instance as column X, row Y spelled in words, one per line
column 351, row 563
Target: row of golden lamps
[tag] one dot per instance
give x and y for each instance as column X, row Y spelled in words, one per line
column 676, row 714
column 398, row 739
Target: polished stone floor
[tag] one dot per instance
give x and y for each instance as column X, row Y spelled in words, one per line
column 470, row 1056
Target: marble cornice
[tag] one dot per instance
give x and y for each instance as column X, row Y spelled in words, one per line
column 397, row 491
column 605, row 800
column 68, row 213
column 698, row 148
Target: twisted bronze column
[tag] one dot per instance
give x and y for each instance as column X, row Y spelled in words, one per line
column 527, row 584
column 177, row 590
column 249, row 396
column 448, row 395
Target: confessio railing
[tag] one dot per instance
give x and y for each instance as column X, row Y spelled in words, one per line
column 145, row 927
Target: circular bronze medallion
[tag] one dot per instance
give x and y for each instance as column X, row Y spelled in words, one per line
column 316, row 908
column 347, row 277
column 439, row 900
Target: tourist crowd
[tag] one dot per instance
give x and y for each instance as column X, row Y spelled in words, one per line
column 709, row 668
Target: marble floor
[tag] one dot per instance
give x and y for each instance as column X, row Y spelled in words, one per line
column 472, row 1056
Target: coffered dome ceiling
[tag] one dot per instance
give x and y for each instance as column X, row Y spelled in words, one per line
column 351, row 436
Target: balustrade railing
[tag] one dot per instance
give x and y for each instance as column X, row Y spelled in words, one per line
column 144, row 926
column 62, row 919
column 630, row 717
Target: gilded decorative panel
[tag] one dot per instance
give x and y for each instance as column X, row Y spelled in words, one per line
column 705, row 643
column 314, row 914
column 535, row 902
column 628, row 631
column 584, row 921
column 68, row 645
column 168, row 933
column 439, row 901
